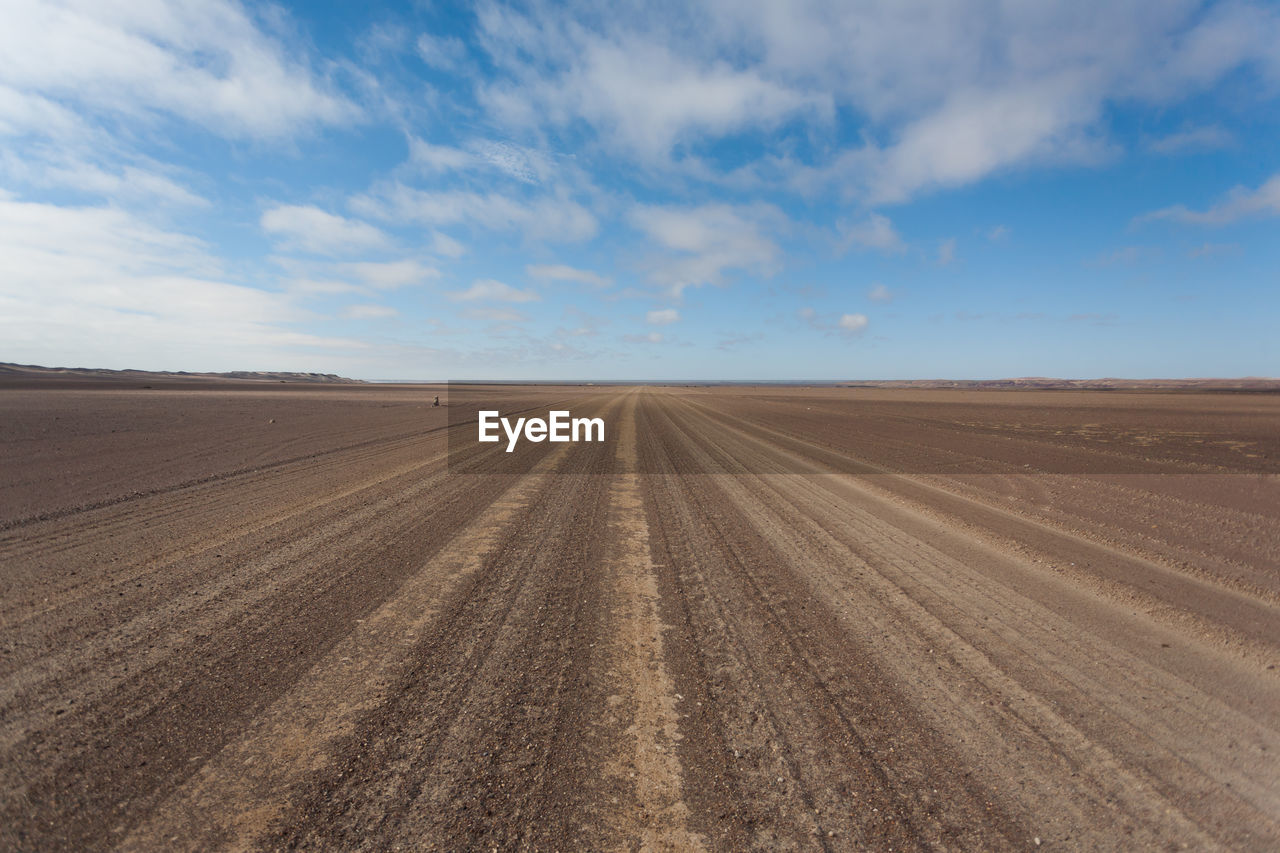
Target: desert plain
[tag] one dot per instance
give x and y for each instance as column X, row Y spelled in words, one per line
column 277, row 615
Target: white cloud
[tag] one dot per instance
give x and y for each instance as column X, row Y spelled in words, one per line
column 646, row 338
column 998, row 233
column 1204, row 45
column 444, row 53
column 446, row 246
column 853, row 323
column 1208, row 138
column 369, row 312
column 207, row 62
column 321, row 287
column 79, row 169
column 491, row 290
column 560, row 272
column 391, row 274
column 500, row 316
column 514, row 161
column 638, row 93
column 438, row 158
column 880, row 293
column 846, row 325
column 581, row 325
column 947, row 93
column 663, row 317
column 704, row 242
column 876, row 232
column 977, row 133
column 311, row 229
column 25, row 112
column 100, row 287
column 1240, row 203
column 55, row 147
column 549, row 218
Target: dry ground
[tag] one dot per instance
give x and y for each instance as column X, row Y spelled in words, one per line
column 262, row 617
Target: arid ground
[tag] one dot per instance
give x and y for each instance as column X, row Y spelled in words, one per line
column 285, row 615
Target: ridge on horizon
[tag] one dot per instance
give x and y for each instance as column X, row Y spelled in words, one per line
column 15, row 371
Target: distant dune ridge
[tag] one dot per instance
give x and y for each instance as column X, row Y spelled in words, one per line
column 30, row 373
column 36, row 372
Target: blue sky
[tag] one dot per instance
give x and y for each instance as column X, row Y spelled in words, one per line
column 715, row 189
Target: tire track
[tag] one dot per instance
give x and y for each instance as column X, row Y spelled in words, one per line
column 103, row 762
column 654, row 816
column 480, row 742
column 245, row 788
column 803, row 747
column 1220, row 607
column 1120, row 723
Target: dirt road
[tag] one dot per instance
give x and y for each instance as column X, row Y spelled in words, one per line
column 771, row 618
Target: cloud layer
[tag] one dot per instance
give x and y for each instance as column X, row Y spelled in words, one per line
column 227, row 183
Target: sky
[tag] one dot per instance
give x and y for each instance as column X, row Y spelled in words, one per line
column 716, row 189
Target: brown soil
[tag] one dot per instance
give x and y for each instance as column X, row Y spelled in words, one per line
column 254, row 617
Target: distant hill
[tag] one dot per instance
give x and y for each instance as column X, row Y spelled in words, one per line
column 20, row 372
